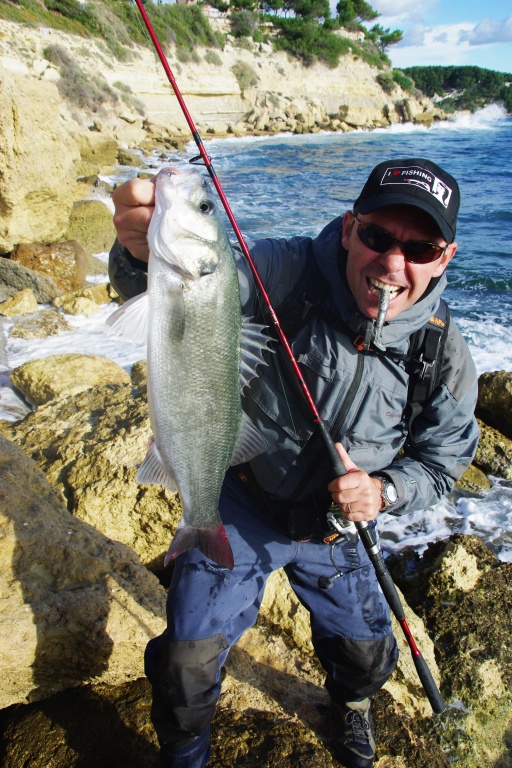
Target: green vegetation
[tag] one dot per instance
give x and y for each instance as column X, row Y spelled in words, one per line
column 117, row 22
column 463, row 87
column 75, row 85
column 245, row 75
column 303, row 28
column 212, row 57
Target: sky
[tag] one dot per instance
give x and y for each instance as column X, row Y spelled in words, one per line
column 443, row 32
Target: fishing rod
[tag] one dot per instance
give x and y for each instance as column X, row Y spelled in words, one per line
column 366, row 534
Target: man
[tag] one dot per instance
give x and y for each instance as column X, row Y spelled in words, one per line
column 398, row 239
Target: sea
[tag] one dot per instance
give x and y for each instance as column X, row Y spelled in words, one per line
column 285, row 185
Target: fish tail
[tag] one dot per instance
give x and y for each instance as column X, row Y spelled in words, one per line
column 213, row 542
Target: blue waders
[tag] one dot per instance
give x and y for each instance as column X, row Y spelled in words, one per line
column 209, row 608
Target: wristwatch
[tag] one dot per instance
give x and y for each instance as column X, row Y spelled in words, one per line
column 388, row 492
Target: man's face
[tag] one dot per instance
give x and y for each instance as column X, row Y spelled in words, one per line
column 367, row 270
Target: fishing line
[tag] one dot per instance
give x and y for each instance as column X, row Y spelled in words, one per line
column 365, row 532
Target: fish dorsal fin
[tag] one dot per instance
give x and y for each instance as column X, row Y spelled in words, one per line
column 250, row 442
column 253, row 343
column 130, row 321
column 152, row 470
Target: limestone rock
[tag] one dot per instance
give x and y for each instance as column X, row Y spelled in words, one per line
column 47, row 322
column 73, row 304
column 15, row 277
column 98, row 152
column 101, row 293
column 494, row 452
column 495, row 400
column 463, row 593
column 474, row 480
column 22, row 303
column 125, row 157
column 46, row 378
column 75, row 606
column 67, row 263
column 38, row 157
column 91, row 224
column 139, row 373
column 89, row 446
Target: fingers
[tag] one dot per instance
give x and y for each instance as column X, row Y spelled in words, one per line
column 347, row 461
column 134, row 204
column 357, row 494
column 134, row 192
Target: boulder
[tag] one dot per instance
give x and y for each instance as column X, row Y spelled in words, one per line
column 15, row 277
column 89, row 446
column 75, row 606
column 47, row 322
column 98, row 152
column 22, row 303
column 38, row 158
column 462, row 592
column 73, row 304
column 67, row 263
column 51, row 377
column 495, row 400
column 101, row 293
column 91, row 224
column 494, row 452
column 474, row 481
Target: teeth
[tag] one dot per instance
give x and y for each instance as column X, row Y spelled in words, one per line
column 392, row 289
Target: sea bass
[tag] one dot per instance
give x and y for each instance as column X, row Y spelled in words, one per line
column 200, row 351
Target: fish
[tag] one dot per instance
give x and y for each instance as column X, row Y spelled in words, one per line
column 201, row 353
column 384, row 299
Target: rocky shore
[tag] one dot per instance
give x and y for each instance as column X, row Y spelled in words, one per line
column 82, row 544
column 84, row 584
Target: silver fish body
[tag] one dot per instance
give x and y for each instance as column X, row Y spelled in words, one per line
column 195, row 332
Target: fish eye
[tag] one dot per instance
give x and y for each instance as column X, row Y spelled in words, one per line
column 206, row 206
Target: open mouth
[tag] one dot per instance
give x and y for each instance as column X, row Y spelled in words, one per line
column 376, row 286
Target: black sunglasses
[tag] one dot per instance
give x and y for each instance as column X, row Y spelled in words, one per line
column 415, row 251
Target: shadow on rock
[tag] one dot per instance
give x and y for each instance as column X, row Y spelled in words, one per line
column 87, row 727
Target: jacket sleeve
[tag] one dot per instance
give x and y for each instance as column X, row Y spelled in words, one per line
column 443, row 438
column 128, row 275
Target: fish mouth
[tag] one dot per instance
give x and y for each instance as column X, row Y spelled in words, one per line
column 377, row 286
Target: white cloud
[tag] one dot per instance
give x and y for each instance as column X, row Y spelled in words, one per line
column 415, row 35
column 488, row 32
column 439, row 44
column 403, row 8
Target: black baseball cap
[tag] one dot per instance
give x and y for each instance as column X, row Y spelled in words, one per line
column 417, row 182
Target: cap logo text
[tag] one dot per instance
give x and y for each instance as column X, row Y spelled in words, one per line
column 418, row 177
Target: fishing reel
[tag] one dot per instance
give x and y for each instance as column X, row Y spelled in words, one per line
column 340, row 530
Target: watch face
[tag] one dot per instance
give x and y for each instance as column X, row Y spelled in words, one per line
column 390, row 493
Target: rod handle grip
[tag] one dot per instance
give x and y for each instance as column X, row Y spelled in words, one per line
column 429, row 685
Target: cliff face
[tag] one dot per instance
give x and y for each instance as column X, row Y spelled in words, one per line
column 66, row 117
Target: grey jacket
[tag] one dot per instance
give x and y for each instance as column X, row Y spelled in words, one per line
column 423, row 465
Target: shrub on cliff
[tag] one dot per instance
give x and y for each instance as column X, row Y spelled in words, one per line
column 245, row 75
column 75, row 85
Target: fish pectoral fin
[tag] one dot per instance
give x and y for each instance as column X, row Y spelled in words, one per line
column 153, row 472
column 130, row 322
column 212, row 541
column 250, row 442
column 253, row 343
